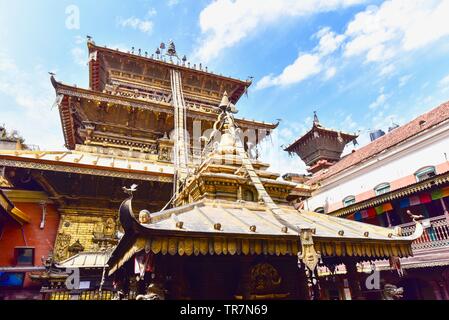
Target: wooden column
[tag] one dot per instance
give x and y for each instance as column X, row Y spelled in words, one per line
column 353, row 279
column 303, row 284
column 245, row 278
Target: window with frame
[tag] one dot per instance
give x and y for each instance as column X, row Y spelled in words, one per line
column 382, row 188
column 11, row 279
column 348, row 201
column 319, row 210
column 425, row 173
column 24, row 256
column 248, row 195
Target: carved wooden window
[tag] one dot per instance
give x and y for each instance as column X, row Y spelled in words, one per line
column 382, row 189
column 425, row 173
column 348, row 201
column 248, row 195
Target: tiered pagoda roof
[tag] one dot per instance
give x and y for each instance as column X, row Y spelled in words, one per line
column 129, row 102
column 139, row 70
column 320, row 147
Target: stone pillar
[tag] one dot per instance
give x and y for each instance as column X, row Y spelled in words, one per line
column 353, row 279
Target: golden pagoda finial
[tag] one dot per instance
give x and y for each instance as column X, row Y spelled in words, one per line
column 224, row 101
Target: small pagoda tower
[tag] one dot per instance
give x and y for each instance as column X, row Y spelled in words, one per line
column 320, row 147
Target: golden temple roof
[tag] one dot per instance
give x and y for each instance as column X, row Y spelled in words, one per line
column 9, row 208
column 89, row 163
column 85, row 260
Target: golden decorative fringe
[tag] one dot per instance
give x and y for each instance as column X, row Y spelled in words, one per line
column 368, row 250
column 195, row 246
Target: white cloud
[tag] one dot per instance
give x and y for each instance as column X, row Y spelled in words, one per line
column 404, row 80
column 151, row 12
column 329, row 41
column 143, row 25
column 444, row 82
column 79, row 56
column 172, row 3
column 330, row 73
column 387, row 70
column 380, row 101
column 33, row 95
column 80, row 40
column 380, row 33
column 224, row 23
column 271, row 150
column 305, row 66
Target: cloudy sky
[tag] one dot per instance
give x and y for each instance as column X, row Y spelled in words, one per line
column 361, row 65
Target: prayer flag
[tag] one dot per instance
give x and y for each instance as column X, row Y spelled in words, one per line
column 437, row 194
column 425, row 198
column 364, row 214
column 445, row 192
column 414, row 200
column 371, row 213
column 404, row 203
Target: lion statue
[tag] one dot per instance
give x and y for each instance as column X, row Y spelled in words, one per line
column 392, row 292
column 154, row 292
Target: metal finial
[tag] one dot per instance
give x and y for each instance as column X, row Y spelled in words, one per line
column 315, row 118
column 171, row 51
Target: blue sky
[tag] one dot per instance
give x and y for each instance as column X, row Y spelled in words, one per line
column 361, row 65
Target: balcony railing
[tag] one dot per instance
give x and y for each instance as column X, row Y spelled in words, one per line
column 435, row 235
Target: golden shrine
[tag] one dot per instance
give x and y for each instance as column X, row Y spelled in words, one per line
column 167, row 128
column 232, row 235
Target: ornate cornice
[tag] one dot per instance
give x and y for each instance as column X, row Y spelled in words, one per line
column 89, row 171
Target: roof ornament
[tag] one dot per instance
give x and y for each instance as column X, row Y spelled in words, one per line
column 171, row 51
column 130, row 190
column 226, row 105
column 90, row 39
column 315, row 118
column 414, row 217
